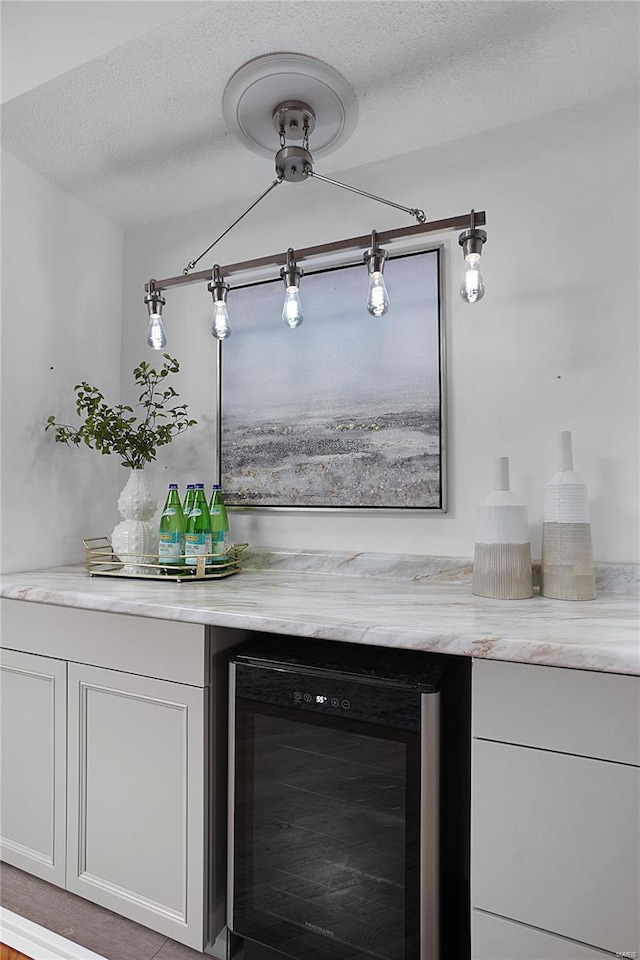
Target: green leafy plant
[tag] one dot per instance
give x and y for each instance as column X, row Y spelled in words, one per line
column 134, row 439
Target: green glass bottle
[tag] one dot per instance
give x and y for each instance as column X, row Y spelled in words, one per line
column 188, row 499
column 219, row 526
column 172, row 531
column 198, row 535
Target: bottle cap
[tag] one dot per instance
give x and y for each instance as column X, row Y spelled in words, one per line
column 199, row 486
column 173, row 486
column 191, row 486
column 217, row 486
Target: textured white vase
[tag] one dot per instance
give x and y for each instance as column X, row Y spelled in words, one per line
column 566, row 569
column 502, row 554
column 135, row 539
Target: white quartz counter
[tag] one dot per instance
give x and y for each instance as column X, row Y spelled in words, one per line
column 425, row 605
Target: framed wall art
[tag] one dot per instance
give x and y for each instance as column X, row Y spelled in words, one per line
column 347, row 410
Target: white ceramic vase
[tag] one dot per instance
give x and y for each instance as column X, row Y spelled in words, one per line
column 502, row 554
column 135, row 539
column 566, row 569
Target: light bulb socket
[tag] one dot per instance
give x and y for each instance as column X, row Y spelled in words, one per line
column 473, row 239
column 155, row 302
column 472, row 242
column 292, row 273
column 375, row 260
column 375, row 257
column 217, row 286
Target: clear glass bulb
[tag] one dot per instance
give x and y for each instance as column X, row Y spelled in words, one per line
column 472, row 287
column 292, row 309
column 378, row 299
column 156, row 337
column 220, row 328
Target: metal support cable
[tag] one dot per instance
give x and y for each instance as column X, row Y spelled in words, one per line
column 255, row 203
column 418, row 214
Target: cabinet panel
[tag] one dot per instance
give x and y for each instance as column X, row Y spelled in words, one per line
column 136, row 798
column 555, row 843
column 33, row 749
column 494, row 938
column 573, row 711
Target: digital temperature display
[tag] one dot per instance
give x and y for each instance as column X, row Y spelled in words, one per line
column 321, row 699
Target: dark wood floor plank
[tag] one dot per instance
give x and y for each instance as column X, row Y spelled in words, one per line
column 88, row 924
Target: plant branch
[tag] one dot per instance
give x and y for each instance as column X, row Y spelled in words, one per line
column 108, row 429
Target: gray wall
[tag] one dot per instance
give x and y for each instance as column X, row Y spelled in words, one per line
column 61, row 310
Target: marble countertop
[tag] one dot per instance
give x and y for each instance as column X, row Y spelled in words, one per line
column 410, row 602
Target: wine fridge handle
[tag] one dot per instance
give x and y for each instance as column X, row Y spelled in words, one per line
column 429, row 826
column 231, row 795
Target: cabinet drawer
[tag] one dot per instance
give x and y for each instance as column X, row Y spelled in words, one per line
column 494, row 938
column 164, row 649
column 556, row 843
column 573, row 711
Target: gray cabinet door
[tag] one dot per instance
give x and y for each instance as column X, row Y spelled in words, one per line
column 33, row 749
column 556, row 843
column 136, row 813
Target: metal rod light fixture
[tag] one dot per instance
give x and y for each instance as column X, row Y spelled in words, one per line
column 295, row 164
column 378, row 298
column 156, row 336
column 291, row 275
column 472, row 241
column 220, row 327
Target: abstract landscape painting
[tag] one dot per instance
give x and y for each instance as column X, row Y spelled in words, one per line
column 345, row 410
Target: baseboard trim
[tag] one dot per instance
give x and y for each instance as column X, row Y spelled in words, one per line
column 36, row 941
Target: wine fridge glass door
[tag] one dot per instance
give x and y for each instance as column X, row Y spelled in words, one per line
column 326, row 835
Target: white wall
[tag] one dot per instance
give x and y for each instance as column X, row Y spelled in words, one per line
column 553, row 346
column 61, row 309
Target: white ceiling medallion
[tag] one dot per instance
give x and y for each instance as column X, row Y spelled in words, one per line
column 256, row 91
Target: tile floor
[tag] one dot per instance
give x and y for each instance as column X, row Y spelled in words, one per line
column 95, row 928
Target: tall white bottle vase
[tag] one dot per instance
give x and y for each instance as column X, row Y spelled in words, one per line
column 566, row 570
column 502, row 555
column 135, row 539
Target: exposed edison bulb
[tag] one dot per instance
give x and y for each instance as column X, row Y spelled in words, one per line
column 156, row 336
column 378, row 299
column 220, row 328
column 292, row 310
column 472, row 287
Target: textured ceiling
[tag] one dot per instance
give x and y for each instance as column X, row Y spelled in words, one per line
column 43, row 39
column 138, row 134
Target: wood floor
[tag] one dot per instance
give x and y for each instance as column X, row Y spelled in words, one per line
column 85, row 923
column 8, row 953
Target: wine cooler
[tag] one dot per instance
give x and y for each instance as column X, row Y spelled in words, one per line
column 334, row 802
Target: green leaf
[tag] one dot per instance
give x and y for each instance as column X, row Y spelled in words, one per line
column 135, row 438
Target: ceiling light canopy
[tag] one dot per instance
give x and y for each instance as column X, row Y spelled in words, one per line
column 275, row 104
column 255, row 91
